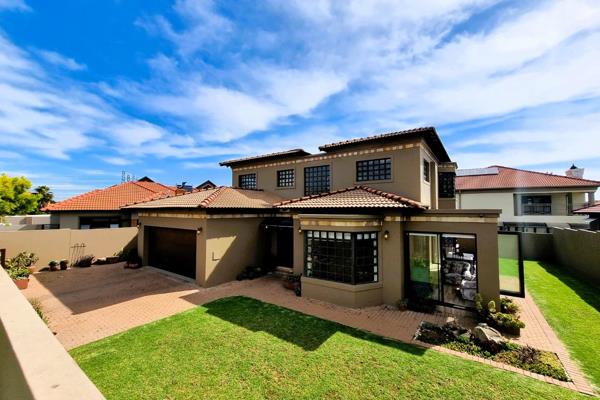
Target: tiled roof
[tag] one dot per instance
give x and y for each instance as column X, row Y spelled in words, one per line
column 428, row 133
column 221, row 197
column 352, row 197
column 512, row 178
column 293, row 152
column 112, row 198
column 595, row 209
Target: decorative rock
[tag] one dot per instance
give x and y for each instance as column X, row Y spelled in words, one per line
column 484, row 334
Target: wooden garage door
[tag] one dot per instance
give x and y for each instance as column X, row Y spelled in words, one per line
column 173, row 250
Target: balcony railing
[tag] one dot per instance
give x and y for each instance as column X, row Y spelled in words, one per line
column 536, row 209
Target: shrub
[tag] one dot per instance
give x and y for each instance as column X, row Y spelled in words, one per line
column 18, row 272
column 507, row 320
column 23, row 259
column 508, row 306
column 37, row 306
column 85, row 261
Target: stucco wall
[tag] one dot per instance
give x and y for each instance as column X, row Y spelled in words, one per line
column 406, row 172
column 57, row 244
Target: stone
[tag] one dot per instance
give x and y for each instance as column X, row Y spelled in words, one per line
column 485, row 334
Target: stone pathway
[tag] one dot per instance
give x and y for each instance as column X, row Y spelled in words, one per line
column 84, row 305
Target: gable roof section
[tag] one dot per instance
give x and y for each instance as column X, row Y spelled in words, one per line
column 264, row 157
column 429, row 134
column 113, row 197
column 352, row 197
column 595, row 209
column 513, row 178
column 219, row 198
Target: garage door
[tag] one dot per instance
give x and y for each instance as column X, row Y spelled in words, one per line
column 173, row 250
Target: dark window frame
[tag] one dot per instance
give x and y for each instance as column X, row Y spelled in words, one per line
column 377, row 169
column 317, row 179
column 426, row 171
column 350, row 257
column 447, row 185
column 101, row 222
column 247, row 181
column 286, row 178
column 531, row 205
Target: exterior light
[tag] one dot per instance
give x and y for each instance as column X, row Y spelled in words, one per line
column 299, row 230
column 386, row 235
column 199, row 231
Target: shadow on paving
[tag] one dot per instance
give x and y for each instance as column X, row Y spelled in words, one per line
column 586, row 291
column 302, row 330
column 86, row 289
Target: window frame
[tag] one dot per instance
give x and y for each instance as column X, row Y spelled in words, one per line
column 241, row 178
column 426, row 171
column 345, row 258
column 306, row 181
column 373, row 169
column 443, row 179
column 279, row 178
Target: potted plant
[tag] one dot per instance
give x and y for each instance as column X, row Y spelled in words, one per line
column 20, row 276
column 53, row 265
column 85, row 261
column 64, row 264
column 132, row 259
column 23, row 259
column 292, row 282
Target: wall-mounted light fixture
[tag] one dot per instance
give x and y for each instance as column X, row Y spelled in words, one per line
column 299, row 230
column 199, row 231
column 386, row 235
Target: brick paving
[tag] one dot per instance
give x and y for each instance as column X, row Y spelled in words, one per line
column 84, row 305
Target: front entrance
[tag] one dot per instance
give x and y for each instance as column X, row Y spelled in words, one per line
column 280, row 251
column 173, row 250
column 442, row 268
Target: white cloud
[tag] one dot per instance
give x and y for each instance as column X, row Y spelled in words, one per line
column 18, row 5
column 117, row 160
column 55, row 58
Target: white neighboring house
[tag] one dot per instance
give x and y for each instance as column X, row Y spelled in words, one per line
column 24, row 222
column 530, row 201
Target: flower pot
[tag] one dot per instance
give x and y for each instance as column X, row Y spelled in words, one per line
column 21, row 283
column 64, row 264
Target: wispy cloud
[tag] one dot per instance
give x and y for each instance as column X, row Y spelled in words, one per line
column 57, row 59
column 18, row 5
column 117, row 160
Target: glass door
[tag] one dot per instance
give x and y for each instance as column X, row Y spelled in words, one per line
column 424, row 267
column 459, row 269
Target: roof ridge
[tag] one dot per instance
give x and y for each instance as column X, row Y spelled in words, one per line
column 544, row 173
column 211, row 197
column 392, row 196
column 137, row 183
column 314, row 196
column 377, row 136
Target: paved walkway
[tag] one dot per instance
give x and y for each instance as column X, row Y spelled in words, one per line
column 84, row 305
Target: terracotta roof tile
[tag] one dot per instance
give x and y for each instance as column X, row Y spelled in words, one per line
column 112, row 198
column 352, row 197
column 512, row 178
column 595, row 209
column 221, row 197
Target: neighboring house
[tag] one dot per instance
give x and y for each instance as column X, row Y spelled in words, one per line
column 593, row 215
column 530, row 201
column 367, row 221
column 206, row 185
column 101, row 208
column 24, row 222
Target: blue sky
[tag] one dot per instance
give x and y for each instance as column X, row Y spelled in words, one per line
column 169, row 88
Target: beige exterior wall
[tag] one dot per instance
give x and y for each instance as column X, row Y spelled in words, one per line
column 504, row 200
column 355, row 296
column 57, row 244
column 34, row 365
column 407, row 175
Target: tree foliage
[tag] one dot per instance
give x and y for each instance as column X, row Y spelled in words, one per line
column 15, row 198
column 45, row 196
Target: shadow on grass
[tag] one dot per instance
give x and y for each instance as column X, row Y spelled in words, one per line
column 300, row 329
column 586, row 291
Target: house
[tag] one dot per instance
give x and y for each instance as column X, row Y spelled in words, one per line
column 593, row 215
column 530, row 201
column 102, row 208
column 206, row 185
column 366, row 221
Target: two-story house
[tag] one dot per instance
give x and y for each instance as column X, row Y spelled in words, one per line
column 365, row 221
column 530, row 201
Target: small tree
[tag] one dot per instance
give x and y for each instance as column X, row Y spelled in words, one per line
column 15, row 198
column 45, row 196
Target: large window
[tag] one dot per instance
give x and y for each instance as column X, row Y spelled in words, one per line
column 341, row 256
column 536, row 205
column 316, row 180
column 285, row 178
column 426, row 171
column 247, row 181
column 446, row 185
column 99, row 222
column 374, row 170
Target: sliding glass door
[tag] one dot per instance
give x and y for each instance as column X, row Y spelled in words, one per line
column 442, row 267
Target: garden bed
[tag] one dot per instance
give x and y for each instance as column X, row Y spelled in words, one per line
column 457, row 338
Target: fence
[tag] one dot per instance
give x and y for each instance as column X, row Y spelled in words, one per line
column 576, row 250
column 69, row 244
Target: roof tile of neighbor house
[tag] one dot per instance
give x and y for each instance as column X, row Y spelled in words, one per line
column 595, row 209
column 263, row 157
column 112, row 198
column 221, row 197
column 513, row 178
column 352, row 197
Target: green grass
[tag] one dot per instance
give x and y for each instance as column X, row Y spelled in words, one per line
column 572, row 308
column 242, row 348
column 509, row 267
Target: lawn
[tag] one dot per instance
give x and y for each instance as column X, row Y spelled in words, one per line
column 242, row 348
column 572, row 308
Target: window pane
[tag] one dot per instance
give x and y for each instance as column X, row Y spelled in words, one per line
column 285, row 178
column 247, row 181
column 374, row 170
column 424, row 264
column 316, row 180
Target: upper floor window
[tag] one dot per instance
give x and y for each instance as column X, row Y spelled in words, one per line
column 536, row 205
column 374, row 170
column 247, row 181
column 316, row 180
column 446, row 185
column 426, row 171
column 285, row 178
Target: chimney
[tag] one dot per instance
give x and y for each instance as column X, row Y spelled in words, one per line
column 575, row 172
